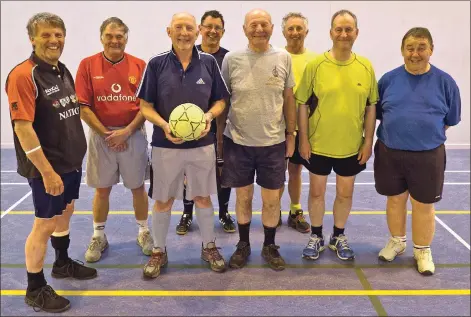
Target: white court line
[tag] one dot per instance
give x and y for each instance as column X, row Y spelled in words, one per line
column 286, row 183
column 452, row 232
column 16, row 204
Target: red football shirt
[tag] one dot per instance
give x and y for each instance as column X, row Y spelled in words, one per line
column 110, row 89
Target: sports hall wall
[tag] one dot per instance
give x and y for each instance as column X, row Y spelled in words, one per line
column 381, row 24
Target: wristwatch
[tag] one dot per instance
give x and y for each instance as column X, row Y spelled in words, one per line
column 290, row 133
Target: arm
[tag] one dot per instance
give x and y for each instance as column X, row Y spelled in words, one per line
column 369, row 124
column 303, row 127
column 289, row 109
column 87, row 115
column 29, row 142
column 149, row 113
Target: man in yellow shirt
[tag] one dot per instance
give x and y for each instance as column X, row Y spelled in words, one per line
column 337, row 132
column 295, row 29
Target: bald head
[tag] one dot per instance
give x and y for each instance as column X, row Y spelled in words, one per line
column 182, row 16
column 255, row 14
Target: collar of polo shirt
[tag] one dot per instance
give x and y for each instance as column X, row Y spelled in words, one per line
column 194, row 56
column 46, row 67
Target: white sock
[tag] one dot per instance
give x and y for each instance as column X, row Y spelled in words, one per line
column 421, row 246
column 99, row 229
column 143, row 226
column 402, row 238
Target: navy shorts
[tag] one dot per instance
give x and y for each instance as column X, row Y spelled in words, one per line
column 422, row 173
column 296, row 158
column 242, row 162
column 323, row 165
column 48, row 206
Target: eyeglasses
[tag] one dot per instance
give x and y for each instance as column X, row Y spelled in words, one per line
column 217, row 28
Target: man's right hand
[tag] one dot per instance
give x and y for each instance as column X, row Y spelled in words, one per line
column 169, row 136
column 53, row 183
column 305, row 149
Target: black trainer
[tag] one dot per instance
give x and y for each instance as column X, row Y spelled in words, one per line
column 272, row 256
column 46, row 299
column 75, row 269
column 227, row 223
column 240, row 256
column 184, row 224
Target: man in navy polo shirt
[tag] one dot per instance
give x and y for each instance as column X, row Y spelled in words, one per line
column 170, row 79
column 212, row 31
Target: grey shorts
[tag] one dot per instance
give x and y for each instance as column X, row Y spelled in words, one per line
column 171, row 166
column 104, row 166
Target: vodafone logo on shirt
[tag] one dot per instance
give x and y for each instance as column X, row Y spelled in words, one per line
column 116, row 95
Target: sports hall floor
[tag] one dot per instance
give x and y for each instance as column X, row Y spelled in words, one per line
column 328, row 286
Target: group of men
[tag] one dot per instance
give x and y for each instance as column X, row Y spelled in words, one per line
column 267, row 110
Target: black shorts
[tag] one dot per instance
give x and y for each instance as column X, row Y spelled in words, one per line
column 48, row 206
column 323, row 165
column 422, row 173
column 242, row 162
column 296, row 158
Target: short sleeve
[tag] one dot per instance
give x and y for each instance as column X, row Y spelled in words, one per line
column 306, row 85
column 225, row 72
column 374, row 94
column 148, row 86
column 21, row 91
column 289, row 82
column 453, row 101
column 83, row 85
column 218, row 89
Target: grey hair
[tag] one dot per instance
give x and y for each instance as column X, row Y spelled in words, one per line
column 342, row 13
column 114, row 20
column 44, row 18
column 294, row 15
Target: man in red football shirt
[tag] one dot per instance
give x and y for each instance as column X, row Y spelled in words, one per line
column 106, row 84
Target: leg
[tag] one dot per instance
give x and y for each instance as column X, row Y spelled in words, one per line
column 296, row 218
column 35, row 252
column 141, row 213
column 100, row 208
column 423, row 230
column 187, row 218
column 396, row 214
column 343, row 201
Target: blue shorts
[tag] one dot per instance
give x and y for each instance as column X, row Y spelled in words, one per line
column 48, row 206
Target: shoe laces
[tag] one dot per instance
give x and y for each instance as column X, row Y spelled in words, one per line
column 393, row 243
column 95, row 243
column 424, row 254
column 241, row 245
column 156, row 259
column 313, row 241
column 273, row 250
column 185, row 219
column 226, row 219
column 342, row 242
column 46, row 291
column 300, row 216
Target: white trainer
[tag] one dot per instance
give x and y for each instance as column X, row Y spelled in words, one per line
column 424, row 259
column 96, row 247
column 394, row 248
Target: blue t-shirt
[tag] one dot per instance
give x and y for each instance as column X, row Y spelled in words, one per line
column 219, row 56
column 414, row 109
column 166, row 85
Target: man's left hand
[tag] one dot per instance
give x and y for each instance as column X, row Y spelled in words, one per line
column 117, row 137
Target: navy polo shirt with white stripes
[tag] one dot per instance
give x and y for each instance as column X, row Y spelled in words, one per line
column 166, row 85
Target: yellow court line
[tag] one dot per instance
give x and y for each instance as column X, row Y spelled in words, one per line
column 246, row 293
column 130, row 212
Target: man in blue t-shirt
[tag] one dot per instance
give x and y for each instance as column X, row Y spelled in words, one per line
column 212, row 31
column 182, row 75
column 418, row 103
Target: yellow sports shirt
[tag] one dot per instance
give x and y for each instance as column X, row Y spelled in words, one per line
column 299, row 62
column 343, row 90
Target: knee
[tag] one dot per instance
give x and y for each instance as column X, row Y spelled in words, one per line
column 163, row 206
column 138, row 191
column 44, row 227
column 271, row 206
column 315, row 194
column 103, row 193
column 294, row 170
column 244, row 202
column 341, row 196
column 204, row 202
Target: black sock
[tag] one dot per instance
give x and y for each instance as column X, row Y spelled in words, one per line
column 36, row 280
column 338, row 231
column 269, row 235
column 187, row 204
column 244, row 232
column 317, row 231
column 61, row 245
column 223, row 198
